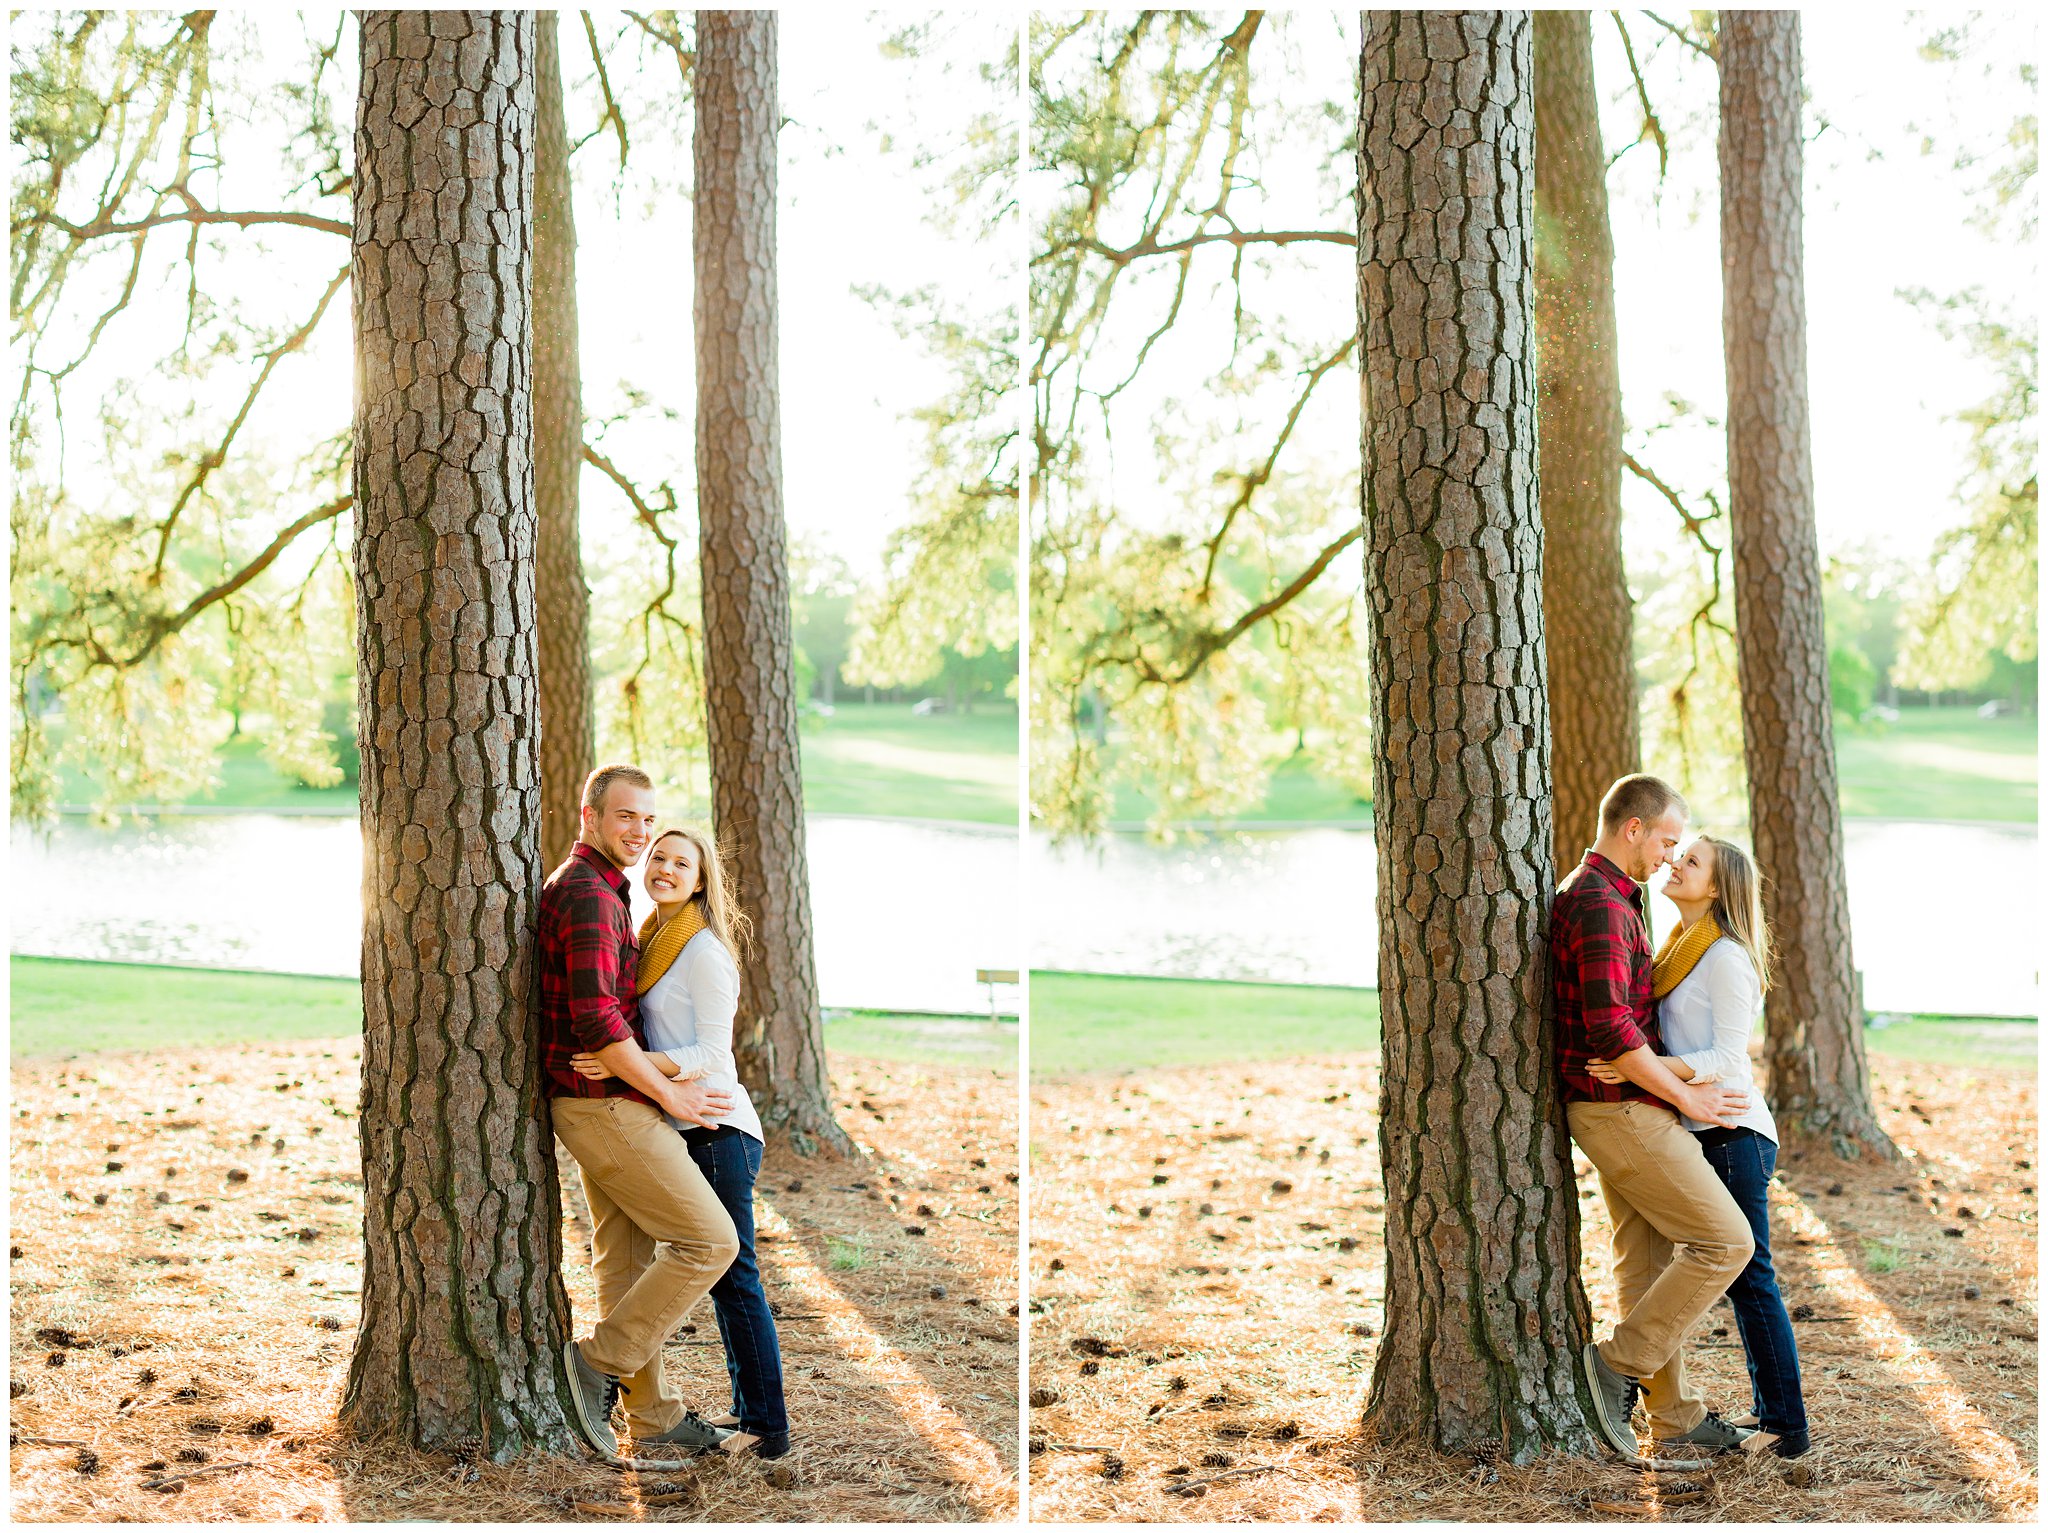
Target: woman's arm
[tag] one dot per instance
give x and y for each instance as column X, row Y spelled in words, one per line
column 1732, row 992
column 597, row 1069
column 714, row 982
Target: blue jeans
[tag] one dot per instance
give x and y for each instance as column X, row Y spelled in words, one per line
column 1745, row 1160
column 730, row 1160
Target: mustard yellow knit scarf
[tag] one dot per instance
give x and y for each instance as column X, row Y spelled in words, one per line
column 661, row 941
column 1683, row 947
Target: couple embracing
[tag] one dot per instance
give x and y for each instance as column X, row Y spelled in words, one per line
column 636, row 1041
column 1654, row 1051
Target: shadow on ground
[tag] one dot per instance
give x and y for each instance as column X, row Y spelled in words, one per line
column 186, row 1236
column 1207, row 1270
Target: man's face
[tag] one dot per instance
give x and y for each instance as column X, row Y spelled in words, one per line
column 622, row 826
column 1651, row 844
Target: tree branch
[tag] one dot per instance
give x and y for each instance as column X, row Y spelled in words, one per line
column 1710, row 52
column 1250, row 483
column 1216, row 639
column 213, row 460
column 1151, row 245
column 1653, row 127
column 648, row 514
column 104, row 226
column 1695, row 526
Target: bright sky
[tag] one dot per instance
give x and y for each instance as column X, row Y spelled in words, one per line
column 853, row 212
column 1880, row 217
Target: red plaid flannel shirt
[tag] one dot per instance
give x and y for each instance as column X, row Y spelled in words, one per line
column 589, row 964
column 1600, row 972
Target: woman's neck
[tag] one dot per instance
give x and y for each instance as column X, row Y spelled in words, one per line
column 1689, row 911
column 668, row 912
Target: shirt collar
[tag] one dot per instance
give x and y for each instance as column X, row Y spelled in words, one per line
column 1625, row 886
column 606, row 869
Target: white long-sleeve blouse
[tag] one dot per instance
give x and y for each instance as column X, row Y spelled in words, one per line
column 1706, row 1021
column 688, row 1014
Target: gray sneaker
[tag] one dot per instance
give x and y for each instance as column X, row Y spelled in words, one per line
column 594, row 1394
column 1614, row 1396
column 1712, row 1434
column 693, row 1433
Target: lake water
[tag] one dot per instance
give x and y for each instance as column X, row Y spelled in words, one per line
column 905, row 911
column 1296, row 906
column 908, row 910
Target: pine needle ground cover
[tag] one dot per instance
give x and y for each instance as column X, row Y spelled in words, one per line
column 187, row 1233
column 1206, row 1281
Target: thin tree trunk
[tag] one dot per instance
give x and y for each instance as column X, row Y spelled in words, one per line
column 1588, row 622
column 750, row 689
column 463, row 1307
column 567, row 744
column 1485, row 1312
column 1819, row 1078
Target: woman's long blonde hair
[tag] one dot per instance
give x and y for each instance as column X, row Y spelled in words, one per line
column 722, row 912
column 1739, row 904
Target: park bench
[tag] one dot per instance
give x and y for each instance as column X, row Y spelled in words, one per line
column 992, row 978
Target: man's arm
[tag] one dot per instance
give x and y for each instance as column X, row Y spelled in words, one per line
column 597, row 1013
column 1720, row 1105
column 692, row 1101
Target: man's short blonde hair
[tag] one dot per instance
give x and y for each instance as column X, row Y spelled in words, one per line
column 1638, row 796
column 599, row 783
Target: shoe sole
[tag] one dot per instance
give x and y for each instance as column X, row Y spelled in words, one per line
column 1621, row 1442
column 573, row 1361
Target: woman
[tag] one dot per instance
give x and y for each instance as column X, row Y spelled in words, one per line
column 1710, row 978
column 689, row 988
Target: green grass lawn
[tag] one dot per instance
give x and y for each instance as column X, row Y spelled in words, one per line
column 1941, row 764
column 1933, row 764
column 868, row 758
column 61, row 1009
column 880, row 758
column 1295, row 793
column 1093, row 1023
column 1085, row 1023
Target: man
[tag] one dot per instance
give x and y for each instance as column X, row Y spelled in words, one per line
column 661, row 1237
column 1679, row 1237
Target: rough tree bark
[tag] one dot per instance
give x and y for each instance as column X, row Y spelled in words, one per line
column 1588, row 621
column 1813, row 1034
column 749, row 671
column 1485, row 1312
column 463, row 1308
column 567, row 739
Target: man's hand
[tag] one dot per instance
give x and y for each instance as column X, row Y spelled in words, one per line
column 1721, row 1105
column 695, row 1102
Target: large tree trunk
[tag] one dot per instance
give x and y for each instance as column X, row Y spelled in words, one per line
column 1819, row 1078
column 567, row 744
column 463, row 1308
column 1485, row 1311
column 749, row 656
column 1595, row 736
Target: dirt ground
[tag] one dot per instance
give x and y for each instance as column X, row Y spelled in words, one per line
column 186, row 1239
column 1206, row 1286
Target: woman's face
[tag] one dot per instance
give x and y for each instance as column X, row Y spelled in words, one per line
column 1692, row 873
column 672, row 870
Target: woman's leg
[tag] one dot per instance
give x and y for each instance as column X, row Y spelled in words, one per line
column 730, row 1161
column 1745, row 1161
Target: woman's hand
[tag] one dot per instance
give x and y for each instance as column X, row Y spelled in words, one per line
column 590, row 1065
column 1601, row 1070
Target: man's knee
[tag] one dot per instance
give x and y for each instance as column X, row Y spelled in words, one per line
column 1732, row 1250
column 707, row 1237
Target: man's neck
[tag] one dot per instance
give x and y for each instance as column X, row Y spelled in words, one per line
column 609, row 861
column 1618, row 855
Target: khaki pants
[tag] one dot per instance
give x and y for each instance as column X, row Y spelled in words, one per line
column 1679, row 1241
column 660, row 1240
